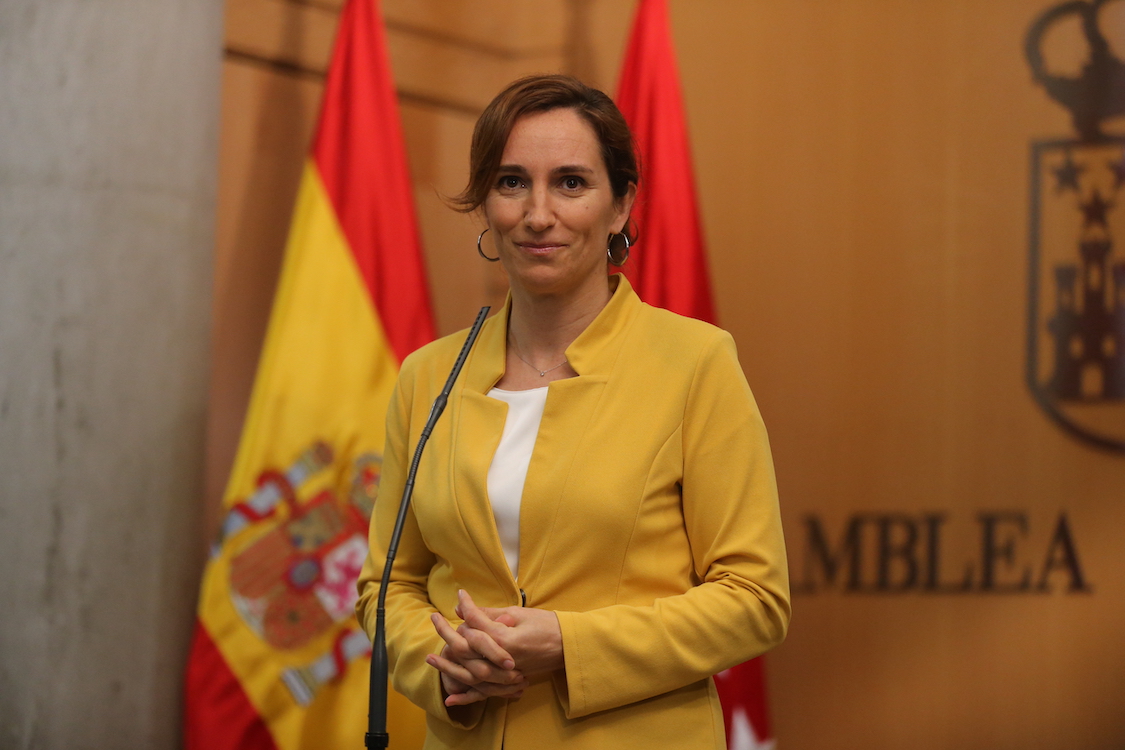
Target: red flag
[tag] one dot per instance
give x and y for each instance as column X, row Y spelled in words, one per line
column 278, row 661
column 671, row 271
column 669, row 268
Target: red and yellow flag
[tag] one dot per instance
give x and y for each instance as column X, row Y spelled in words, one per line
column 669, row 268
column 278, row 661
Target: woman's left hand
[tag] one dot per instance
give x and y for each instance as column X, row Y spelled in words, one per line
column 473, row 671
column 531, row 636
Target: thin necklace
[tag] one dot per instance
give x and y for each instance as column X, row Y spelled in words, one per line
column 542, row 373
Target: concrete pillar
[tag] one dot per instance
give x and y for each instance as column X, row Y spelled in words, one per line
column 108, row 129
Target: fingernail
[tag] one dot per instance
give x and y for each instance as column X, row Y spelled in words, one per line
column 509, row 664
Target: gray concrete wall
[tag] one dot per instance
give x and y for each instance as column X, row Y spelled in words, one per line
column 108, row 129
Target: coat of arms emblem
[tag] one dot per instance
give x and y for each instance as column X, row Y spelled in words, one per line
column 1076, row 310
column 294, row 562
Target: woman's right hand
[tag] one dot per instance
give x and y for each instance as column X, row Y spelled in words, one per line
column 473, row 667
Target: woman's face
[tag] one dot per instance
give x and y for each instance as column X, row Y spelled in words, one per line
column 551, row 208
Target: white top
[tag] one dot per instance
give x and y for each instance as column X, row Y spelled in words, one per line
column 508, row 472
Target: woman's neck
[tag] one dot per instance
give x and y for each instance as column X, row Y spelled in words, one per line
column 542, row 327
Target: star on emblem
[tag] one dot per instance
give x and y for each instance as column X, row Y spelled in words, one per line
column 1094, row 211
column 1067, row 174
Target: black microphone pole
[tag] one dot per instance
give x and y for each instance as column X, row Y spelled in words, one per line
column 377, row 736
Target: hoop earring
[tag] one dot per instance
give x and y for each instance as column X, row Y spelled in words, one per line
column 481, row 252
column 609, row 250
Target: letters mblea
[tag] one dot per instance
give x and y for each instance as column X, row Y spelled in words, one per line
column 889, row 553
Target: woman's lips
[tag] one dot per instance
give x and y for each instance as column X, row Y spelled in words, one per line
column 539, row 248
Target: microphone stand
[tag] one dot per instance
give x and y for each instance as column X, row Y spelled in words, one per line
column 377, row 736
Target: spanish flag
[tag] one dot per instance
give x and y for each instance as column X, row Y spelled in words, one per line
column 669, row 268
column 278, row 661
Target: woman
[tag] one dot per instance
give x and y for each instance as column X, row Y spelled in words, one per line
column 595, row 528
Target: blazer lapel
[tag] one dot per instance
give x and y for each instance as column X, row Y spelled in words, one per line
column 571, row 404
column 477, row 424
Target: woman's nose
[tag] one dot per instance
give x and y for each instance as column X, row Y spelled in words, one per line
column 539, row 213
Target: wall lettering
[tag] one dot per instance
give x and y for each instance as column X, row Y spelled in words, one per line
column 889, row 553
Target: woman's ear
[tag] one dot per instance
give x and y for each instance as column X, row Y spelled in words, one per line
column 625, row 207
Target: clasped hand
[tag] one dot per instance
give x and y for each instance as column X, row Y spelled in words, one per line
column 494, row 651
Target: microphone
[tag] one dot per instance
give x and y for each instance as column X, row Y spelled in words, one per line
column 377, row 736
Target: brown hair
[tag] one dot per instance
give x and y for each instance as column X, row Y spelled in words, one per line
column 542, row 93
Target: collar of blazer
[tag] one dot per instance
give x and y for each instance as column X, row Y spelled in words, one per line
column 479, row 421
column 591, row 354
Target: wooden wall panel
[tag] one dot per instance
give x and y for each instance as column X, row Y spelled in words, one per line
column 601, row 31
column 515, row 28
column 293, row 34
column 863, row 173
column 457, row 76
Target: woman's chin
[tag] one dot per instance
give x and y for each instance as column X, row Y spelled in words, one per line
column 546, row 281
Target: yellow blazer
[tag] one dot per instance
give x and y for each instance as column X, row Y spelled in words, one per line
column 649, row 523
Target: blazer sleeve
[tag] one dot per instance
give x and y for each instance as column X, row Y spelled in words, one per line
column 740, row 608
column 410, row 635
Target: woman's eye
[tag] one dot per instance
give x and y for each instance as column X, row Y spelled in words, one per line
column 510, row 183
column 572, row 183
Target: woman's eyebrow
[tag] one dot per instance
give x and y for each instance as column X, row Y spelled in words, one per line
column 571, row 168
column 564, row 169
column 516, row 169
